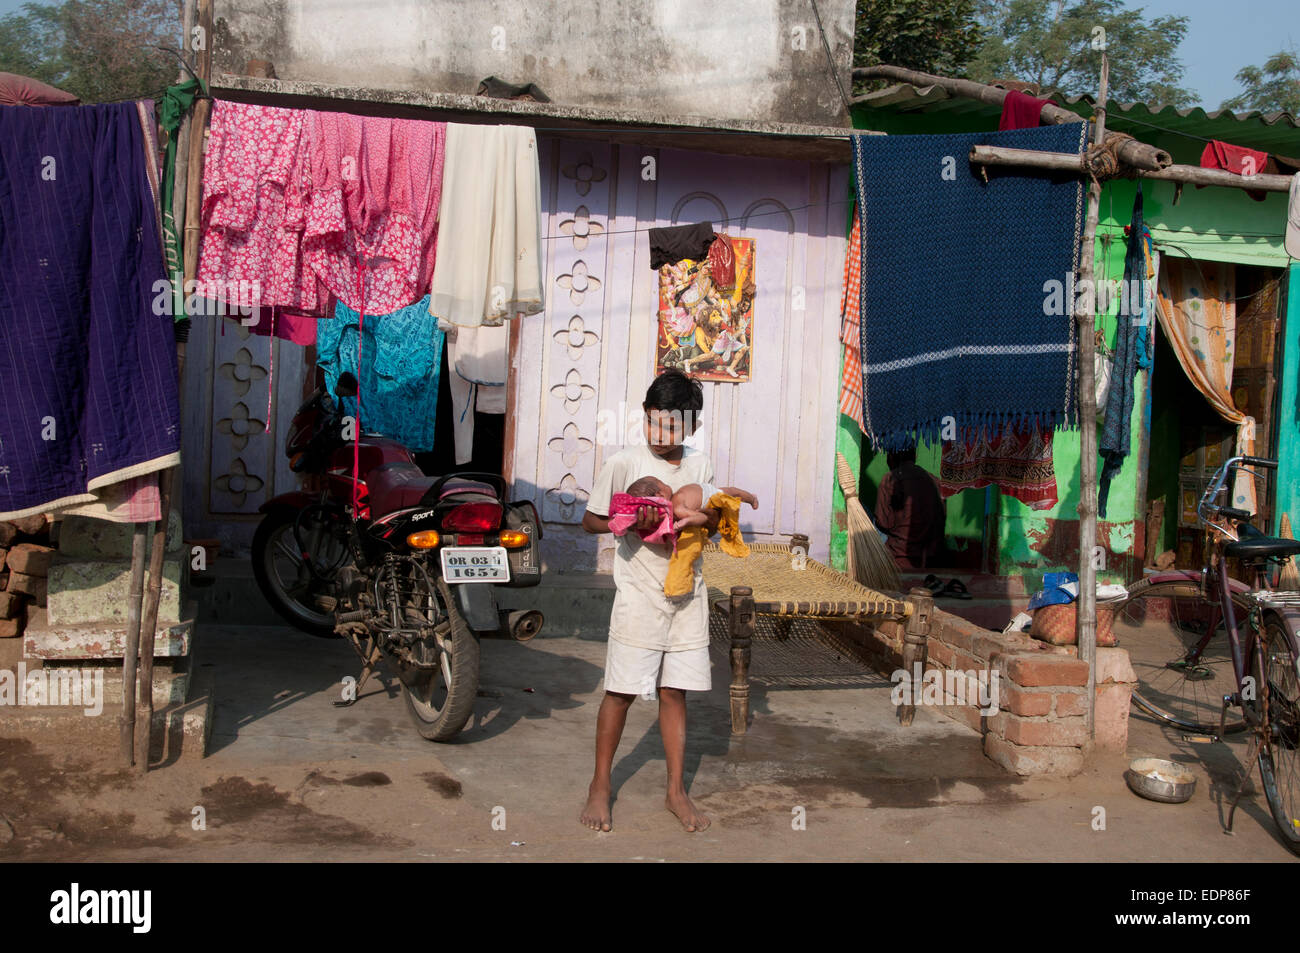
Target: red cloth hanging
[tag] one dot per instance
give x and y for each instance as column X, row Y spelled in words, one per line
column 1021, row 111
column 1238, row 160
column 1018, row 461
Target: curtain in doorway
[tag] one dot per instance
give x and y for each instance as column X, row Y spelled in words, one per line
column 1198, row 313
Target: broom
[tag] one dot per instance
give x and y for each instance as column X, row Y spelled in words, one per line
column 869, row 561
column 1290, row 577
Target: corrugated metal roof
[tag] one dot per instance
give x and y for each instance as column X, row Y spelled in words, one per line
column 1277, row 132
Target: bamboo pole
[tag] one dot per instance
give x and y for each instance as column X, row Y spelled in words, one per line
column 131, row 653
column 1139, row 155
column 198, row 130
column 188, row 173
column 1069, row 162
column 1086, row 605
column 180, row 180
column 149, row 624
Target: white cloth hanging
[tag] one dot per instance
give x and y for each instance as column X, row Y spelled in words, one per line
column 477, row 362
column 488, row 264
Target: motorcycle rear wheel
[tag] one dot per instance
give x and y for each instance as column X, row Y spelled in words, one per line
column 440, row 701
column 284, row 578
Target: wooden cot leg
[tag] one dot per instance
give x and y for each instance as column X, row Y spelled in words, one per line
column 915, row 632
column 741, row 624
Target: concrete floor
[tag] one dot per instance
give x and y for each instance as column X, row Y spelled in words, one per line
column 290, row 777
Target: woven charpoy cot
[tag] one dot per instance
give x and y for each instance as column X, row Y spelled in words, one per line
column 766, row 583
column 778, row 589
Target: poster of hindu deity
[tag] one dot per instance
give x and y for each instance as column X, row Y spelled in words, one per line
column 706, row 313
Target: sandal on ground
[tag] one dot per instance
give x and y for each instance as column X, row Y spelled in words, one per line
column 934, row 584
column 956, row 589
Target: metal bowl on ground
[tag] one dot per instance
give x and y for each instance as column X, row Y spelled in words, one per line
column 1158, row 780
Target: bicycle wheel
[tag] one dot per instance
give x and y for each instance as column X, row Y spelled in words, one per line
column 1178, row 645
column 1279, row 756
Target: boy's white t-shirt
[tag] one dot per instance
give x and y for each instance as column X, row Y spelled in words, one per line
column 643, row 616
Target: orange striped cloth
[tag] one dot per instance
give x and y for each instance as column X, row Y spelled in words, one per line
column 850, row 326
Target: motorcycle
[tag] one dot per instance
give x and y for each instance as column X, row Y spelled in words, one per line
column 403, row 565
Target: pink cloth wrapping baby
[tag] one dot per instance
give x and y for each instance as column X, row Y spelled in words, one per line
column 622, row 517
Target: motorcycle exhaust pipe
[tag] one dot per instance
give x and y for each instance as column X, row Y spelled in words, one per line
column 519, row 624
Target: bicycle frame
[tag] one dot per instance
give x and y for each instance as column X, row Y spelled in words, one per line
column 1217, row 584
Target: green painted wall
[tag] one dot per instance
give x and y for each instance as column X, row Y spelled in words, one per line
column 1211, row 223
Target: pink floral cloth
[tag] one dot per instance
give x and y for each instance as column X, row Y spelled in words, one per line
column 622, row 517
column 298, row 204
column 373, row 213
column 255, row 182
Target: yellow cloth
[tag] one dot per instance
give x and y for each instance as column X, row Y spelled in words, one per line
column 690, row 545
column 728, row 508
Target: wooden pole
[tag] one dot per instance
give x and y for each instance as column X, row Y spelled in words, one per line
column 198, row 131
column 189, row 181
column 149, row 624
column 741, row 624
column 1086, row 605
column 131, row 654
column 1139, row 155
column 181, row 170
column 916, row 631
column 1069, row 162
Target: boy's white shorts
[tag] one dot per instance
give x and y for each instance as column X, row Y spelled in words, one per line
column 630, row 670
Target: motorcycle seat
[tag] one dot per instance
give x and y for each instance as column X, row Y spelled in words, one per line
column 396, row 486
column 455, row 487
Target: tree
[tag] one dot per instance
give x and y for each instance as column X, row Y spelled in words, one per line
column 99, row 50
column 1273, row 87
column 934, row 36
column 31, row 44
column 1050, row 42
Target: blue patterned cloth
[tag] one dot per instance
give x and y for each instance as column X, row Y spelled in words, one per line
column 957, row 320
column 401, row 362
column 88, row 362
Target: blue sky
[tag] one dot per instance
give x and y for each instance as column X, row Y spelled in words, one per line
column 1222, row 37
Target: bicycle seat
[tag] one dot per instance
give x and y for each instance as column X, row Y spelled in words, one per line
column 1262, row 547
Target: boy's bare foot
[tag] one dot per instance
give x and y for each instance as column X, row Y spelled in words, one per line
column 692, row 818
column 596, row 815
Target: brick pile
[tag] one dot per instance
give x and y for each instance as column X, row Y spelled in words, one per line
column 1040, row 725
column 25, row 556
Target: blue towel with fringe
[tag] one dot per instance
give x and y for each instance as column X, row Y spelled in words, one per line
column 960, row 320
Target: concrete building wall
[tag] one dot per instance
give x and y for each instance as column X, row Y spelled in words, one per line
column 583, row 365
column 727, row 59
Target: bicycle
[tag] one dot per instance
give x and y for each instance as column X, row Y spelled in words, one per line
column 1194, row 663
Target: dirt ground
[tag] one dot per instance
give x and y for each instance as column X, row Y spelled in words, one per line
column 825, row 773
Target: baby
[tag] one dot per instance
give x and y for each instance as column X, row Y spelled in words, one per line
column 691, row 502
column 686, row 528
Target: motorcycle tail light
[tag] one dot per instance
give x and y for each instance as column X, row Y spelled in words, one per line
column 513, row 538
column 473, row 517
column 426, row 539
column 470, row 539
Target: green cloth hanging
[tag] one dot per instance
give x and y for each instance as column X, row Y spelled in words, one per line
column 172, row 108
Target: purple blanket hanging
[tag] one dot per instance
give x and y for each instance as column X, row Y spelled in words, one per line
column 88, row 363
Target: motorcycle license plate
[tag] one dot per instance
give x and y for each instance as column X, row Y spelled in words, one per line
column 475, row 564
